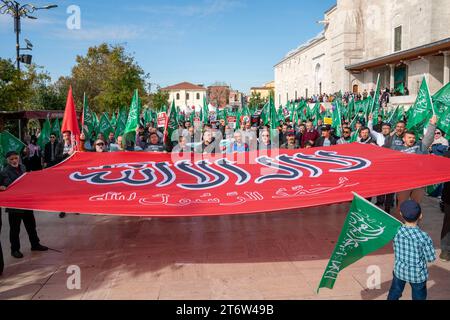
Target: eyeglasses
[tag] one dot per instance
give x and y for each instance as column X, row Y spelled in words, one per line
column 100, row 144
column 348, row 132
column 438, row 133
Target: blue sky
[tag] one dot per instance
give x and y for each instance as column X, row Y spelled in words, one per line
column 201, row 41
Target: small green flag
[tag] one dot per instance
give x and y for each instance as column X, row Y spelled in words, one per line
column 375, row 106
column 133, row 116
column 8, row 143
column 56, row 128
column 172, row 124
column 366, row 229
column 89, row 121
column 44, row 136
column 121, row 122
column 105, row 126
column 443, row 113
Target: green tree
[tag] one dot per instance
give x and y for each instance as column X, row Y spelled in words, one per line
column 159, row 99
column 30, row 89
column 256, row 100
column 108, row 76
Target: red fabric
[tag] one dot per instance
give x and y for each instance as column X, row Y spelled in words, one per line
column 158, row 185
column 70, row 121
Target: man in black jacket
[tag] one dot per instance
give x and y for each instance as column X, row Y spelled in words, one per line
column 326, row 139
column 52, row 152
column 445, row 235
column 10, row 174
column 2, row 264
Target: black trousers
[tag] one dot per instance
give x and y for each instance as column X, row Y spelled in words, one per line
column 386, row 200
column 2, row 264
column 15, row 220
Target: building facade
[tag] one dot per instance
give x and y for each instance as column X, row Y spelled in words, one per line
column 400, row 40
column 264, row 91
column 186, row 95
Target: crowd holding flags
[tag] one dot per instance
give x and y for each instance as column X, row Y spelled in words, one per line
column 124, row 123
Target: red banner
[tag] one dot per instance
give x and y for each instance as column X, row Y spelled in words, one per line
column 160, row 185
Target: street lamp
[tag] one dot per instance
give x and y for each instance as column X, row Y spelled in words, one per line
column 17, row 11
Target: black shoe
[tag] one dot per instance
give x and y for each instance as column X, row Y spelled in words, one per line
column 39, row 248
column 62, row 215
column 387, row 209
column 17, row 254
column 379, row 204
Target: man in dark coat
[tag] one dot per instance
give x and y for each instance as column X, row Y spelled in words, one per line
column 2, row 264
column 53, row 152
column 10, row 174
column 445, row 235
column 326, row 139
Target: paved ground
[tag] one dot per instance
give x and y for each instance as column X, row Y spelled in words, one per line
column 277, row 256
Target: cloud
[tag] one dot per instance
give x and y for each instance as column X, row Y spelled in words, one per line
column 207, row 8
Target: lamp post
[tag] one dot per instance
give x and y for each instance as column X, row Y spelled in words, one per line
column 18, row 11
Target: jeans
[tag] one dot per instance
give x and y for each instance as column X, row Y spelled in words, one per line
column 419, row 290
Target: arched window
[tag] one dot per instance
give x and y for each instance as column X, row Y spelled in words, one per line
column 178, row 96
column 187, row 96
column 198, row 96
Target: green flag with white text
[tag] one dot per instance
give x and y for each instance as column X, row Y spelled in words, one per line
column 366, row 229
column 421, row 112
column 8, row 143
column 134, row 114
column 105, row 126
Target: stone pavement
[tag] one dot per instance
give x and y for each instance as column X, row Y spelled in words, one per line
column 268, row 256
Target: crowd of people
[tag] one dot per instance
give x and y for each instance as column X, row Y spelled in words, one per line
column 222, row 137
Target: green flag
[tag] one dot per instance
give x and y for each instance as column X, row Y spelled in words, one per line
column 443, row 95
column 172, row 124
column 9, row 143
column 56, row 128
column 401, row 88
column 273, row 115
column 114, row 120
column 366, row 229
column 422, row 110
column 121, row 122
column 337, row 120
column 443, row 113
column 205, row 112
column 44, row 136
column 105, row 126
column 89, row 121
column 133, row 115
column 355, row 135
column 375, row 106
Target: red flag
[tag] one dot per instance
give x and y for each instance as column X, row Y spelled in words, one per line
column 167, row 185
column 70, row 122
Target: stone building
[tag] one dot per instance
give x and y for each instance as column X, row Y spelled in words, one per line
column 186, row 95
column 401, row 40
column 264, row 91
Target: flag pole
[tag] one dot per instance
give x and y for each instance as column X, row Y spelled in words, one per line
column 429, row 94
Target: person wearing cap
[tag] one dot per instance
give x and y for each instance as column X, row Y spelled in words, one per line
column 326, row 139
column 10, row 174
column 413, row 249
column 291, row 143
